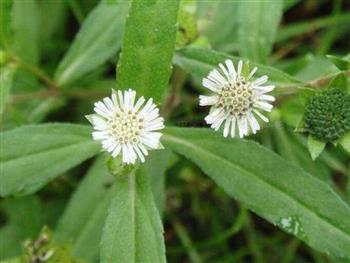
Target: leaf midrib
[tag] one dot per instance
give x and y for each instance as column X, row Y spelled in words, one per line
column 296, row 200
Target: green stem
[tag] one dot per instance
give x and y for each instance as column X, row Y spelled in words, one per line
column 34, row 70
column 73, row 4
column 309, row 26
column 234, row 229
column 223, row 236
column 313, row 84
column 252, row 239
column 186, row 241
column 290, row 251
column 178, row 79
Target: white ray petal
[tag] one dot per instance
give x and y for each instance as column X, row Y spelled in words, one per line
column 260, row 81
column 263, row 105
column 261, row 116
column 143, row 149
column 233, row 127
column 116, row 151
column 251, row 74
column 121, row 99
column 215, row 76
column 139, row 153
column 210, row 85
column 217, row 123
column 109, row 104
column 264, row 89
column 227, row 127
column 239, row 68
column 254, row 125
column 207, row 100
column 231, row 69
column 267, row 97
column 132, row 154
column 224, row 70
column 242, row 127
column 213, row 115
column 125, row 153
column 139, row 103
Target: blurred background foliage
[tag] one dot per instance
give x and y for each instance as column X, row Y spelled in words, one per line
column 44, row 78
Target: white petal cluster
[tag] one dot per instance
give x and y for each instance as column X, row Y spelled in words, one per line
column 237, row 99
column 127, row 127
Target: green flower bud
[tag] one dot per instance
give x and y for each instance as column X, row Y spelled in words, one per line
column 327, row 115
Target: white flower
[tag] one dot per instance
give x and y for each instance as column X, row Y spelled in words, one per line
column 125, row 127
column 237, row 99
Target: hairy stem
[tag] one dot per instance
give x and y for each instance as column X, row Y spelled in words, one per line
column 34, row 70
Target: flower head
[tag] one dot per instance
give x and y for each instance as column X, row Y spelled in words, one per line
column 125, row 127
column 327, row 115
column 237, row 99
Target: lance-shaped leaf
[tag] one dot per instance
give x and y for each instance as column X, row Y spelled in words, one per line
column 6, row 77
column 25, row 24
column 222, row 32
column 98, row 40
column 156, row 165
column 133, row 231
column 257, row 23
column 84, row 217
column 33, row 155
column 200, row 61
column 273, row 188
column 148, row 46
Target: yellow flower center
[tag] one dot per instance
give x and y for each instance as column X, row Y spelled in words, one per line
column 126, row 127
column 235, row 98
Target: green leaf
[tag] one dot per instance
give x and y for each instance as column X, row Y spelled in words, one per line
column 222, row 32
column 345, row 142
column 84, row 217
column 340, row 63
column 24, row 221
column 290, row 146
column 6, row 33
column 98, row 40
column 289, row 3
column 148, row 46
column 36, row 154
column 200, row 61
column 299, row 28
column 6, row 77
column 13, row 260
column 315, row 147
column 155, row 166
column 133, row 231
column 273, row 188
column 257, row 23
column 339, row 82
column 25, row 23
column 52, row 17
